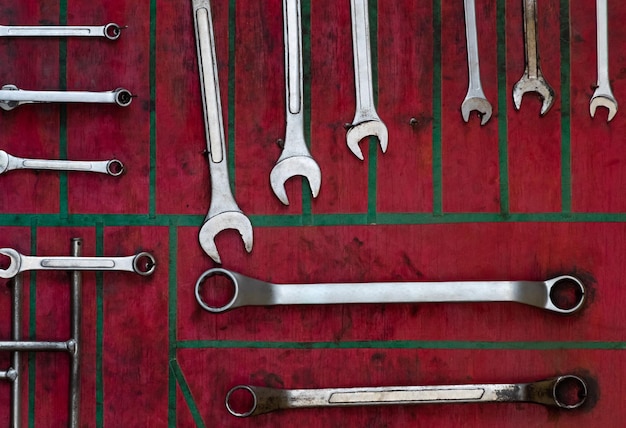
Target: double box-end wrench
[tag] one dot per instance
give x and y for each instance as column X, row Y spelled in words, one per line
column 10, row 163
column 366, row 121
column 564, row 294
column 11, row 97
column 532, row 80
column 224, row 213
column 109, row 31
column 295, row 158
column 603, row 95
column 565, row 392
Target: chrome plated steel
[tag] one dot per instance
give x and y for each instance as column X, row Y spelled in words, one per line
column 11, row 97
column 603, row 95
column 110, row 31
column 10, row 163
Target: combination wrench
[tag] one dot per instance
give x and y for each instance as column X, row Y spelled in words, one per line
column 532, row 80
column 11, row 97
column 224, row 213
column 295, row 158
column 565, row 392
column 603, row 95
column 366, row 121
column 475, row 98
column 253, row 292
column 10, row 163
column 109, row 31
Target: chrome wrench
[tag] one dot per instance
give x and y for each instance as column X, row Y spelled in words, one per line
column 10, row 163
column 110, row 31
column 565, row 392
column 11, row 97
column 295, row 158
column 603, row 95
column 224, row 213
column 253, row 292
column 366, row 121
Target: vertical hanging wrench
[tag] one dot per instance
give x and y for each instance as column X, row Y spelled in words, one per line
column 475, row 98
column 295, row 158
column 366, row 121
column 224, row 213
column 532, row 80
column 603, row 95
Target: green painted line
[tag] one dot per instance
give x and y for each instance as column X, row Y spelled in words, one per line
column 187, row 395
column 63, row 186
column 566, row 147
column 152, row 79
column 436, row 130
column 503, row 100
column 172, row 321
column 232, row 33
column 372, row 157
column 99, row 329
column 32, row 328
column 306, row 89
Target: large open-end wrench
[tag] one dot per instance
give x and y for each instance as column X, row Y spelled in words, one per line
column 11, row 97
column 532, row 80
column 603, row 95
column 565, row 392
column 253, row 292
column 366, row 121
column 224, row 213
column 295, row 158
column 110, row 31
column 475, row 98
column 10, row 163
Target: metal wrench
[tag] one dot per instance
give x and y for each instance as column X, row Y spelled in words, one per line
column 110, row 31
column 224, row 213
column 253, row 292
column 475, row 98
column 10, row 163
column 295, row 158
column 603, row 95
column 366, row 121
column 11, row 97
column 532, row 80
column 142, row 263
column 565, row 392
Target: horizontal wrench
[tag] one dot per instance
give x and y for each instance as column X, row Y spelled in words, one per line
column 253, row 292
column 565, row 392
column 11, row 97
column 10, row 163
column 142, row 263
column 110, row 31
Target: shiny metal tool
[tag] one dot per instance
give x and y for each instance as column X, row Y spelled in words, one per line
column 366, row 121
column 142, row 263
column 11, row 97
column 253, row 292
column 603, row 95
column 565, row 392
column 475, row 99
column 109, row 31
column 295, row 158
column 10, row 163
column 224, row 213
column 532, row 80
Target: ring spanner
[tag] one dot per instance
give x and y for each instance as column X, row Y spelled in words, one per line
column 555, row 392
column 10, row 163
column 11, row 97
column 110, row 31
column 253, row 292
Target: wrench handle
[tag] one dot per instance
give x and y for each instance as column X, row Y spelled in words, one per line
column 602, row 42
column 293, row 55
column 362, row 56
column 472, row 47
column 531, row 44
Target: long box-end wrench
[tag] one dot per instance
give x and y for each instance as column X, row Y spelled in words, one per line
column 564, row 294
column 11, row 97
column 565, row 392
column 110, row 31
column 10, row 163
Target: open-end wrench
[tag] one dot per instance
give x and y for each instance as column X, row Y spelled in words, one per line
column 366, row 121
column 11, row 97
column 565, row 392
column 142, row 263
column 295, row 158
column 532, row 79
column 224, row 213
column 603, row 95
column 475, row 98
column 253, row 292
column 10, row 163
column 110, row 31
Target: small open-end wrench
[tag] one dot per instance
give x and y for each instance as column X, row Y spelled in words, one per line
column 366, row 121
column 11, row 97
column 532, row 80
column 10, row 163
column 295, row 158
column 142, row 263
column 110, row 31
column 475, row 98
column 224, row 213
column 603, row 95
column 565, row 392
column 253, row 292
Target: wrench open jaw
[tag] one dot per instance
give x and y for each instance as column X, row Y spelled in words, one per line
column 540, row 86
column 288, row 167
column 369, row 128
column 225, row 220
column 480, row 105
column 603, row 100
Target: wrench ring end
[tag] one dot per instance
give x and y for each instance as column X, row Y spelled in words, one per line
column 217, row 309
column 144, row 264
column 123, row 97
column 253, row 407
column 562, row 391
column 112, row 31
column 115, row 168
column 563, row 286
column 15, row 263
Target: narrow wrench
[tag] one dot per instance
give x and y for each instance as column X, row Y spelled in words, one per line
column 295, row 158
column 532, row 80
column 555, row 392
column 11, row 97
column 366, row 121
column 603, row 95
column 142, row 263
column 10, row 163
column 224, row 213
column 253, row 292
column 110, row 31
column 475, row 98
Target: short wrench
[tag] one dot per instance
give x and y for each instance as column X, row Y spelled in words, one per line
column 565, row 392
column 110, row 167
column 475, row 98
column 366, row 121
column 11, row 97
column 110, row 31
column 253, row 292
column 295, row 158
column 532, row 80
column 224, row 213
column 603, row 95
column 142, row 263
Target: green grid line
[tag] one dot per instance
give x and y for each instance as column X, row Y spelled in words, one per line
column 186, row 391
column 436, row 127
column 566, row 149
column 503, row 97
column 32, row 327
column 172, row 303
column 152, row 79
column 99, row 329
